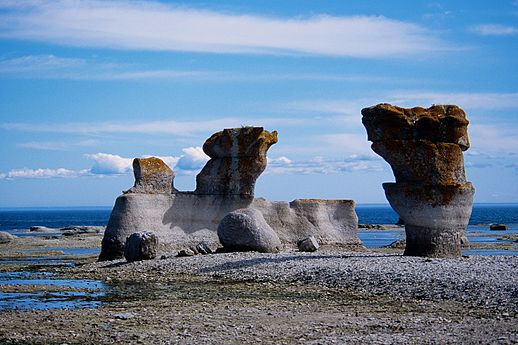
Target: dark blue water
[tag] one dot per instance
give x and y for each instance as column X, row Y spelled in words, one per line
column 482, row 214
column 12, row 220
column 89, row 294
column 23, row 219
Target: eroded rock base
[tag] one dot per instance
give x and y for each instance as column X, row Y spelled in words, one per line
column 184, row 219
column 435, row 216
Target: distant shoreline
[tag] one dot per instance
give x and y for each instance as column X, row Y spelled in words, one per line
column 65, row 208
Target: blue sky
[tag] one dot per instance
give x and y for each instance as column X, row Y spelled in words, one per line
column 85, row 86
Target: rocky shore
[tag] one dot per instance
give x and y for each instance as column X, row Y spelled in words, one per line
column 329, row 296
column 475, row 281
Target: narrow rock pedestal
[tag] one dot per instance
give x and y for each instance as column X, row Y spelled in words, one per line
column 435, row 216
column 431, row 194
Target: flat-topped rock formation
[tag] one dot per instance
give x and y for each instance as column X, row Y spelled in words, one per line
column 431, row 194
column 226, row 183
column 152, row 176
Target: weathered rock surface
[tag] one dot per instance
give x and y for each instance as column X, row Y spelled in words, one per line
column 332, row 222
column 437, row 124
column 6, row 237
column 435, row 216
column 184, row 219
column 238, row 157
column 431, row 194
column 152, row 176
column 308, row 244
column 247, row 230
column 141, row 246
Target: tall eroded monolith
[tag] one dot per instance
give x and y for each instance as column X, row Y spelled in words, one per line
column 431, row 194
column 237, row 158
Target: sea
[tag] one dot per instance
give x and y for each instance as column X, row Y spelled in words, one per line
column 19, row 220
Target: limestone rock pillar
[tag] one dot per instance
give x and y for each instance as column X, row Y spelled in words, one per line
column 431, row 194
column 152, row 176
column 238, row 157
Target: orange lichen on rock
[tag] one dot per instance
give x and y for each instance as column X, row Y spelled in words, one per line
column 439, row 123
column 422, row 160
column 431, row 195
column 421, row 145
column 152, row 176
column 239, row 142
column 238, row 157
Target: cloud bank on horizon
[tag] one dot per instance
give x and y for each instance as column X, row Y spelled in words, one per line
column 137, row 78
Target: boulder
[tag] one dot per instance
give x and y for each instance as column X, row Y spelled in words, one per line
column 203, row 248
column 40, row 228
column 186, row 252
column 6, row 237
column 152, row 176
column 397, row 244
column 246, row 230
column 309, row 244
column 497, row 227
column 238, row 157
column 141, row 246
column 431, row 194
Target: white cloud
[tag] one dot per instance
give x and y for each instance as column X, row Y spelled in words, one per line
column 321, row 165
column 490, row 139
column 192, row 160
column 279, row 161
column 495, row 30
column 160, row 27
column 189, row 163
column 108, row 164
column 57, row 145
column 350, row 110
column 35, row 63
column 184, row 128
column 54, row 67
column 467, row 100
column 26, row 173
column 349, row 143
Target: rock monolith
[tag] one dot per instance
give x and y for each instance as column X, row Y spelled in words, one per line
column 431, row 194
column 238, row 157
column 182, row 220
column 152, row 176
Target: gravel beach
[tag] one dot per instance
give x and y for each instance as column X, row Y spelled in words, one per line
column 330, row 296
column 475, row 281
